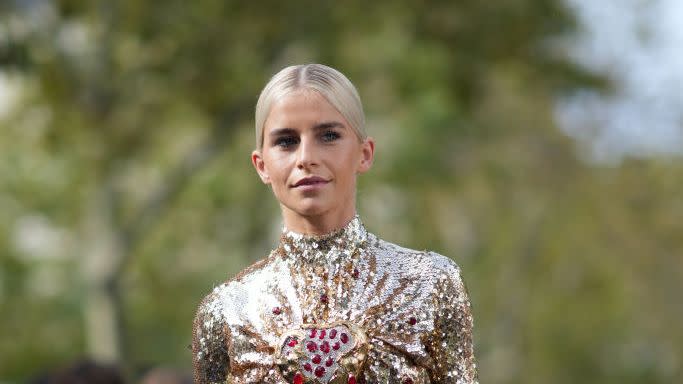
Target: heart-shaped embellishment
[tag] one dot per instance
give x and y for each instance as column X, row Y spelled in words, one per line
column 318, row 353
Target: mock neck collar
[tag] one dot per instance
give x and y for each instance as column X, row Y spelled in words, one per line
column 338, row 243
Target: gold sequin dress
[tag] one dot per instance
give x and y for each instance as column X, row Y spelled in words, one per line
column 346, row 307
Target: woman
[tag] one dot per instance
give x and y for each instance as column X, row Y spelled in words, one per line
column 332, row 303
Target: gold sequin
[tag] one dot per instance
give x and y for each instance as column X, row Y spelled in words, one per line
column 409, row 308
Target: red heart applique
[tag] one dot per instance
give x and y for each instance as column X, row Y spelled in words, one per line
column 323, row 354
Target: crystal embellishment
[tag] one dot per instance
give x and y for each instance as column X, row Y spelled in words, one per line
column 323, row 353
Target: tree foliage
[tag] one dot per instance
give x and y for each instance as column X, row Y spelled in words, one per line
column 125, row 174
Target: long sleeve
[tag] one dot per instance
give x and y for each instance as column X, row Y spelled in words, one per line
column 451, row 345
column 209, row 345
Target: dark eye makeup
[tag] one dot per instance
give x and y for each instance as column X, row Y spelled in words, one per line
column 286, row 141
column 329, row 136
column 288, row 138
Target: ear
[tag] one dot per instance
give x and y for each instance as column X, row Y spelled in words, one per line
column 260, row 166
column 367, row 155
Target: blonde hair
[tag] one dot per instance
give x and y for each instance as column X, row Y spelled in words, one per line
column 329, row 82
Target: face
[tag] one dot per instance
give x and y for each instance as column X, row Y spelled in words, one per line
column 310, row 158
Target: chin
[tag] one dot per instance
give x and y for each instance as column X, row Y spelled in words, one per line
column 310, row 208
column 310, row 211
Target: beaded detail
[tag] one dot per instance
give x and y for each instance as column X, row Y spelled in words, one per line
column 346, row 307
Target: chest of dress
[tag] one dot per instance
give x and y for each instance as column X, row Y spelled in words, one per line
column 378, row 338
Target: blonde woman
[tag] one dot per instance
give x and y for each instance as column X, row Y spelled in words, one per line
column 332, row 303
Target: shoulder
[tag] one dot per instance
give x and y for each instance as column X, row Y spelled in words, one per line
column 228, row 295
column 430, row 263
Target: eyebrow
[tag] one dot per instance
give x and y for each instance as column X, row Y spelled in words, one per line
column 328, row 125
column 317, row 127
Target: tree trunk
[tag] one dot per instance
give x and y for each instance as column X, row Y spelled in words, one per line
column 102, row 252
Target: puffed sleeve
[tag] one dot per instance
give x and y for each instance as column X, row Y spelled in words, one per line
column 450, row 345
column 209, row 344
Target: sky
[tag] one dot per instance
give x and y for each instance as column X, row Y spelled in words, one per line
column 638, row 45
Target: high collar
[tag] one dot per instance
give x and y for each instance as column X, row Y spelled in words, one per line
column 339, row 243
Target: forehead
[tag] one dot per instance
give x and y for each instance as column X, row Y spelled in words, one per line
column 302, row 107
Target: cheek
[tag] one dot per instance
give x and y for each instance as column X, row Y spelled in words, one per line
column 346, row 171
column 350, row 161
column 276, row 175
column 278, row 169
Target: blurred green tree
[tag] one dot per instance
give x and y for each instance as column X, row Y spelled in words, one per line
column 126, row 189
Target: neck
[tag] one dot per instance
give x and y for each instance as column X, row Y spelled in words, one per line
column 316, row 224
column 332, row 247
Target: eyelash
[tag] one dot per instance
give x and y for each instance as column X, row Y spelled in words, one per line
column 287, row 142
column 330, row 136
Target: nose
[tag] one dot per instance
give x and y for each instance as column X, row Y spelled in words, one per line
column 307, row 156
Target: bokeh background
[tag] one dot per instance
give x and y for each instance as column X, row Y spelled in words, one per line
column 536, row 142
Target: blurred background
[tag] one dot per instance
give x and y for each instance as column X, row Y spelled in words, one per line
column 536, row 142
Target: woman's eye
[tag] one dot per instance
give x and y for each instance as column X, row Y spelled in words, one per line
column 330, row 136
column 286, row 141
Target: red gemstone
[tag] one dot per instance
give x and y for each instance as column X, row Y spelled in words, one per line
column 336, row 346
column 277, row 310
column 292, row 342
column 316, row 359
column 355, row 273
column 333, row 334
column 323, row 298
column 328, row 362
column 325, row 347
column 298, row 378
column 308, row 367
column 320, row 371
column 311, row 346
column 322, row 334
column 352, row 379
column 313, row 332
column 344, row 338
column 412, row 321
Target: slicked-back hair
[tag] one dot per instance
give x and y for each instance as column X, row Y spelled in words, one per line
column 336, row 88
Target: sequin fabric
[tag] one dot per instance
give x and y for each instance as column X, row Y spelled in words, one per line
column 346, row 307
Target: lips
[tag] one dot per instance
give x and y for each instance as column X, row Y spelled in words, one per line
column 310, row 181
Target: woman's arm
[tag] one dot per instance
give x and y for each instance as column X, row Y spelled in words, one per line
column 451, row 344
column 209, row 345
